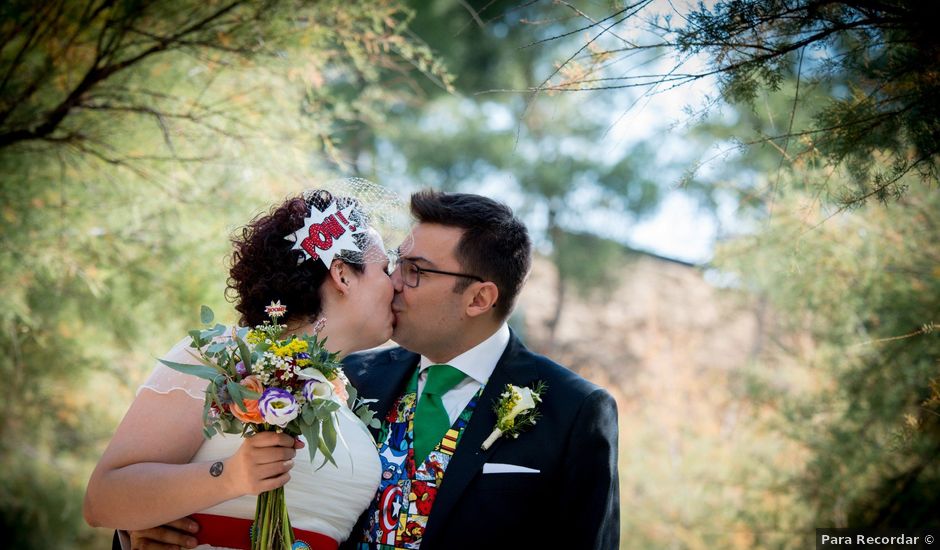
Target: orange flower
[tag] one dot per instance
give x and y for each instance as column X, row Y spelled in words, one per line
column 252, row 415
column 339, row 388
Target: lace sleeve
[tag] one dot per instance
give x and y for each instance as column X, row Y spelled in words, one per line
column 163, row 379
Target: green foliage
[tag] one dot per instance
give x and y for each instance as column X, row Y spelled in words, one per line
column 134, row 136
column 550, row 162
column 884, row 53
column 589, row 262
column 865, row 287
column 865, row 75
column 833, row 104
column 543, row 146
column 41, row 504
column 482, row 42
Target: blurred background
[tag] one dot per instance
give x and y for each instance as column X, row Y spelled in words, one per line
column 735, row 208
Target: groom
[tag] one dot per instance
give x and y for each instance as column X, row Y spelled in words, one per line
column 555, row 485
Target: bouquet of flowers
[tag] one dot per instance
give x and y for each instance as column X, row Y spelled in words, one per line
column 259, row 381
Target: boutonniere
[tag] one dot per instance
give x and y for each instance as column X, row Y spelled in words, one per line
column 515, row 411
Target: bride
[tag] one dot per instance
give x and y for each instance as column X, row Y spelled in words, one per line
column 159, row 466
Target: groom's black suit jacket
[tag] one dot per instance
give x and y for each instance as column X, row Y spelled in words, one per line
column 572, row 503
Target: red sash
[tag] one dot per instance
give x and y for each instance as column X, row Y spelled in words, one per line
column 236, row 533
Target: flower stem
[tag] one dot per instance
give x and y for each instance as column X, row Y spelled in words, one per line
column 272, row 525
column 491, row 439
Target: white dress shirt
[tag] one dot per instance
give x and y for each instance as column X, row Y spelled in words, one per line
column 477, row 363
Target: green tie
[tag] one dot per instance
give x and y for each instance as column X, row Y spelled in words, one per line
column 431, row 421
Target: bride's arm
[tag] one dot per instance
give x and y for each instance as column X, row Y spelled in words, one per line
column 144, row 478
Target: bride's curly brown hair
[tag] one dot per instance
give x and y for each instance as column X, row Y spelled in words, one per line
column 265, row 268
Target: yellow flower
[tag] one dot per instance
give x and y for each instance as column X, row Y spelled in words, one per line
column 519, row 401
column 289, row 349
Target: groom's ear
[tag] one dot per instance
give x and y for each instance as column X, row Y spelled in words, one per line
column 482, row 298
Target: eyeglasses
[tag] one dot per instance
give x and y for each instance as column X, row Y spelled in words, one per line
column 411, row 273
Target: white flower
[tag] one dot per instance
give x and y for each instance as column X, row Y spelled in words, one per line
column 525, row 401
column 316, row 385
column 278, row 406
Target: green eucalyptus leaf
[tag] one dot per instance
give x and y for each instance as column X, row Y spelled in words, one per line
column 236, row 390
column 212, row 365
column 202, row 371
column 326, row 450
column 225, row 358
column 312, row 435
column 316, row 407
column 215, row 348
column 206, row 315
column 329, row 434
column 212, row 393
column 353, row 395
column 206, row 407
column 232, row 428
column 214, row 332
column 249, row 394
column 366, row 415
column 244, row 352
column 196, row 335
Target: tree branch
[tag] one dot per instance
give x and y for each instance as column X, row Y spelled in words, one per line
column 97, row 74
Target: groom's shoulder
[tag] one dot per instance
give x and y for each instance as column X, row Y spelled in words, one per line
column 364, row 360
column 365, row 367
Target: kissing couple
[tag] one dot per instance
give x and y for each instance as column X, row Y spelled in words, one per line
column 435, row 474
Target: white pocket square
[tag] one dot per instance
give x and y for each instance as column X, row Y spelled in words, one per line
column 497, row 468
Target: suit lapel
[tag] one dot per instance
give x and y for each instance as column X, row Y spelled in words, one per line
column 469, row 458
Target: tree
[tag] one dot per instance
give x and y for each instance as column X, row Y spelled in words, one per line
column 133, row 137
column 859, row 398
column 543, row 153
column 66, row 66
column 569, row 195
column 875, row 58
column 835, row 105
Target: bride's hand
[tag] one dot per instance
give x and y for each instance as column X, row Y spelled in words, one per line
column 262, row 463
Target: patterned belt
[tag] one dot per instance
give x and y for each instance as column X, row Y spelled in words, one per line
column 231, row 532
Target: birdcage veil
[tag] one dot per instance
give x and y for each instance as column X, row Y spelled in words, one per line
column 355, row 220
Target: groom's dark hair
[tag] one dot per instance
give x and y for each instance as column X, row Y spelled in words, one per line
column 495, row 245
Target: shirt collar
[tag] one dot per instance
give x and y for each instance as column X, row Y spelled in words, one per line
column 479, row 361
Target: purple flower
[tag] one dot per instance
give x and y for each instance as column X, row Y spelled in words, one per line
column 241, row 369
column 316, row 387
column 278, row 406
column 222, row 394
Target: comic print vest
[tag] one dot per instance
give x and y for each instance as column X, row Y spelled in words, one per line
column 399, row 514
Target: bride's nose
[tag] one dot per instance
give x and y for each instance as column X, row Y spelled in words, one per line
column 395, row 276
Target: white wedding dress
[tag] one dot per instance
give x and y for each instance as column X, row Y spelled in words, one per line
column 326, row 501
